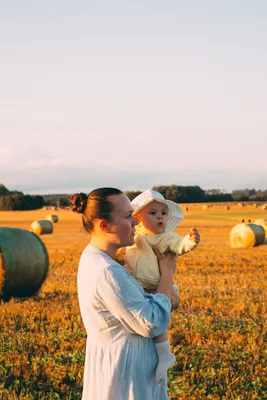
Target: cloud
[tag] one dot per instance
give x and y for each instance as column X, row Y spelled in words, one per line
column 68, row 179
column 33, row 170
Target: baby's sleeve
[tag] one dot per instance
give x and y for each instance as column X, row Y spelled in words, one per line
column 178, row 244
column 130, row 259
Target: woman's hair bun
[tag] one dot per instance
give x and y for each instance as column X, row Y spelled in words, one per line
column 78, row 202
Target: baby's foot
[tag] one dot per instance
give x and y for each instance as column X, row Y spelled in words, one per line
column 163, row 366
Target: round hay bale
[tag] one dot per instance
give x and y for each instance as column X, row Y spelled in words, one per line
column 23, row 262
column 263, row 223
column 42, row 227
column 246, row 235
column 52, row 217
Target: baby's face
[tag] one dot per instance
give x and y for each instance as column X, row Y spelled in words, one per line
column 154, row 217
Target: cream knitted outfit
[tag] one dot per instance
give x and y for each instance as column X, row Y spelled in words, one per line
column 141, row 261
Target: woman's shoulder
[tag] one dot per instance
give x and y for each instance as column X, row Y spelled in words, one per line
column 97, row 265
column 98, row 257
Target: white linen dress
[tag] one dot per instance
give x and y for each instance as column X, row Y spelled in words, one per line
column 120, row 320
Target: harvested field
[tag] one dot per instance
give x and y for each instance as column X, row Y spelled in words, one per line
column 219, row 333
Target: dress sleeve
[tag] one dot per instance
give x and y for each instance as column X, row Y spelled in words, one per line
column 140, row 313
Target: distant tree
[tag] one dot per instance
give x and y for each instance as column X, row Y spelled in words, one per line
column 15, row 192
column 63, row 202
column 57, row 200
column 3, row 189
column 260, row 195
column 132, row 194
column 181, row 194
column 243, row 195
column 216, row 198
column 161, row 189
column 17, row 202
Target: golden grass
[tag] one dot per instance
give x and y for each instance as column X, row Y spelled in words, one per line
column 218, row 334
column 2, row 274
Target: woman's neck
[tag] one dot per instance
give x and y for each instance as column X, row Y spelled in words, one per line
column 104, row 246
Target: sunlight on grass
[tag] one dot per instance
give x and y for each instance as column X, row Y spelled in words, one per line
column 218, row 334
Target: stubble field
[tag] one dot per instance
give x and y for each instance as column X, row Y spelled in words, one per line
column 219, row 333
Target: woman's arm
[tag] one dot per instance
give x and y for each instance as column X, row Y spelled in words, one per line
column 167, row 265
column 145, row 314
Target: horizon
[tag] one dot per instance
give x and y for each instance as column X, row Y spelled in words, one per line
column 222, row 191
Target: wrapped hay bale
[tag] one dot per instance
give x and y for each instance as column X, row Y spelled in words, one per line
column 42, row 227
column 246, row 235
column 52, row 218
column 263, row 223
column 23, row 262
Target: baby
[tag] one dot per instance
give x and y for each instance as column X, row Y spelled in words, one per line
column 157, row 219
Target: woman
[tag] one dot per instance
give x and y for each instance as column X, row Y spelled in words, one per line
column 119, row 317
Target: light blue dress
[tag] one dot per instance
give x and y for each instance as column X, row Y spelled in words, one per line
column 120, row 320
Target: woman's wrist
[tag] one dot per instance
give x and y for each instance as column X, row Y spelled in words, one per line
column 167, row 273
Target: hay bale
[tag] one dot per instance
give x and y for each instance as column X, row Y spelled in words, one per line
column 52, row 217
column 23, row 262
column 263, row 223
column 42, row 227
column 246, row 235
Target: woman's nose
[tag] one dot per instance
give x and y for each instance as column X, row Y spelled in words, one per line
column 134, row 221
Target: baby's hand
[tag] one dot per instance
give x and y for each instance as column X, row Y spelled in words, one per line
column 194, row 235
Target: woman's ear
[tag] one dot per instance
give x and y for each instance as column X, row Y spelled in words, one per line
column 104, row 226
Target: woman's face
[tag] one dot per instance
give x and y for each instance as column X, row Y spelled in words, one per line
column 122, row 225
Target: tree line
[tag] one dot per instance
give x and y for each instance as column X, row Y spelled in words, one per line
column 14, row 200
column 194, row 194
column 17, row 201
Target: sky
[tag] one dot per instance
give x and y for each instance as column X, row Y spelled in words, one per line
column 133, row 94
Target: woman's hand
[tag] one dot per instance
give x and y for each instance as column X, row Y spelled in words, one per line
column 167, row 265
column 167, row 262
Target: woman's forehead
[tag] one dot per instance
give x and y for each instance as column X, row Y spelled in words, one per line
column 121, row 203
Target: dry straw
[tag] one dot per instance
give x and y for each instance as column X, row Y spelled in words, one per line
column 42, row 227
column 23, row 262
column 247, row 235
column 52, row 217
column 2, row 274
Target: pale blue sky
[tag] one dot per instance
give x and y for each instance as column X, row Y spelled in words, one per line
column 133, row 94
